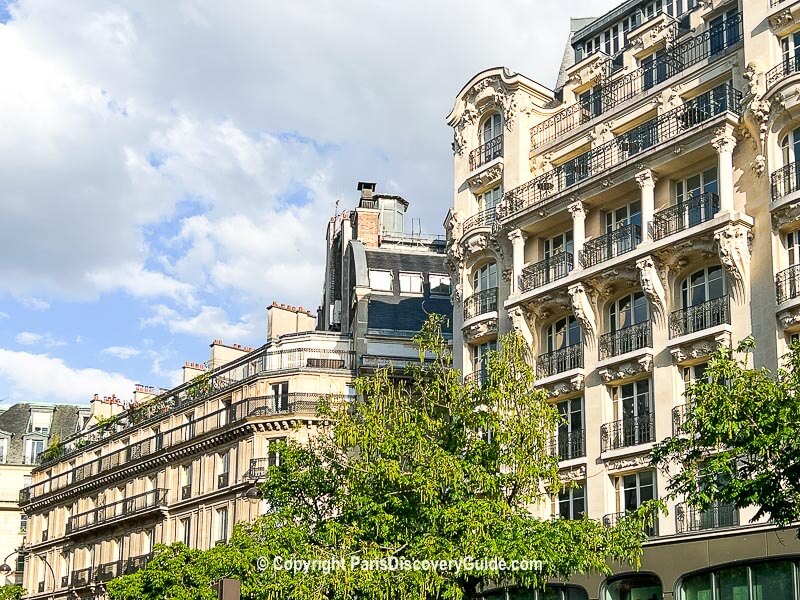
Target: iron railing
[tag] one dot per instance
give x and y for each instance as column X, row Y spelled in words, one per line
column 605, row 247
column 480, row 303
column 632, row 431
column 612, row 519
column 258, row 468
column 543, row 272
column 787, row 284
column 785, row 181
column 115, row 511
column 683, row 215
column 186, row 492
column 485, row 218
column 786, row 67
column 137, row 563
column 690, row 518
column 628, row 339
column 569, row 445
column 222, row 480
column 476, row 377
column 486, row 152
column 558, row 361
column 81, row 577
column 701, row 316
column 600, row 159
column 108, row 571
column 613, row 92
column 679, row 416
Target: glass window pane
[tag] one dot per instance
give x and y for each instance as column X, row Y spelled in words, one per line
column 697, row 587
column 772, row 580
column 732, row 584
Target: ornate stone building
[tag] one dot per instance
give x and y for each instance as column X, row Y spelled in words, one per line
column 626, row 223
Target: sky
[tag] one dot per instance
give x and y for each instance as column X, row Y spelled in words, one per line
column 167, row 169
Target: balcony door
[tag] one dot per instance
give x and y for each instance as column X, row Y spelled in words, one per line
column 697, row 194
column 485, row 278
column 627, row 221
column 490, row 199
column 623, row 314
column 701, row 287
column 569, row 441
column 480, row 354
column 563, row 333
column 724, row 31
column 280, row 395
column 789, row 175
column 492, row 128
column 633, row 409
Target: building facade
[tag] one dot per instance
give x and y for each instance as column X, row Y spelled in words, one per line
column 626, row 223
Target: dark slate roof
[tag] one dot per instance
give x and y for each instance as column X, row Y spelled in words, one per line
column 14, row 421
column 568, row 59
column 409, row 262
column 406, row 314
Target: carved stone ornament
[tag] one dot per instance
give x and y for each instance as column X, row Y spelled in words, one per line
column 522, row 322
column 781, row 20
column 733, row 243
column 590, row 72
column 627, row 369
column 697, row 349
column 583, row 310
column 668, row 99
column 569, row 385
column 480, row 329
column 486, row 177
column 652, row 286
column 628, row 463
column 614, row 280
column 577, row 473
column 550, row 304
column 601, row 134
column 789, row 319
column 492, row 93
column 785, row 215
column 660, row 31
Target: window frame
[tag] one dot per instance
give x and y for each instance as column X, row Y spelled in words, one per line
column 440, row 278
column 373, row 283
column 410, row 277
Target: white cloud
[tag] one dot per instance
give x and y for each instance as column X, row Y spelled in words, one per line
column 122, row 352
column 210, row 323
column 4, row 315
column 141, row 283
column 41, row 378
column 29, row 338
column 35, row 304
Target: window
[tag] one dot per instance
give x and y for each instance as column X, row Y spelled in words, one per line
column 410, row 283
column 159, row 439
column 280, row 393
column 485, row 278
column 186, row 530
column 32, row 450
column 724, row 31
column 223, row 468
column 756, row 581
column 572, row 502
column 23, row 523
column 480, row 355
column 570, row 435
column 3, row 449
column 187, row 476
column 558, row 244
column 188, row 426
column 273, row 456
column 563, row 333
column 492, row 128
column 657, row 67
column 440, row 284
column 643, row 586
column 637, row 488
column 633, row 408
column 591, row 103
column 40, row 421
column 222, row 525
column 702, row 286
column 489, row 199
column 380, row 280
column 628, row 311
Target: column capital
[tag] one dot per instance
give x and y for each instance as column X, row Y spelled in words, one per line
column 724, row 140
column 646, row 178
column 516, row 236
column 577, row 209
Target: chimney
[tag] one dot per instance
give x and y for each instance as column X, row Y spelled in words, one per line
column 366, row 224
column 367, row 189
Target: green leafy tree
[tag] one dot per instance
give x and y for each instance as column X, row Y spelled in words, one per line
column 739, row 443
column 427, row 469
column 11, row 592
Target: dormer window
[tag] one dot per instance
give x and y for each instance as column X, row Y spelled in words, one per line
column 410, row 283
column 492, row 128
column 33, row 447
column 40, row 421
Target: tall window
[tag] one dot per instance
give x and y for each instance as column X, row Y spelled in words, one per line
column 572, row 502
column 186, row 530
column 563, row 333
column 32, row 450
column 485, row 278
column 724, row 31
column 222, row 524
column 273, row 456
column 656, row 68
column 636, row 489
column 188, row 426
column 702, row 286
column 630, row 214
column 224, row 466
column 492, row 128
column 489, row 199
column 558, row 244
column 280, row 395
column 187, row 475
column 570, row 435
column 633, row 406
column 480, row 354
column 701, row 183
column 628, row 311
column 3, row 449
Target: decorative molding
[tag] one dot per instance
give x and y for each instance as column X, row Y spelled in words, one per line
column 577, row 209
column 566, row 386
column 653, row 286
column 627, row 463
column 723, row 141
column 611, row 281
column 547, row 305
column 700, row 348
column 582, row 307
column 785, row 215
column 486, row 177
column 789, row 318
column 629, row 368
column 734, row 243
column 480, row 329
column 601, row 134
column 781, row 20
column 646, row 178
column 570, row 474
column 522, row 322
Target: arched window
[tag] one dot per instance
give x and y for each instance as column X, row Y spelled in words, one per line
column 485, row 278
column 563, row 333
column 790, row 147
column 635, row 585
column 492, row 128
column 704, row 302
column 628, row 311
column 628, row 325
column 703, row 286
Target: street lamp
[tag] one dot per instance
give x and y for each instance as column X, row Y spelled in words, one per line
column 5, row 569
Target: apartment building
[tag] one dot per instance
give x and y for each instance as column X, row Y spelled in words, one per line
column 26, row 430
column 181, row 465
column 626, row 223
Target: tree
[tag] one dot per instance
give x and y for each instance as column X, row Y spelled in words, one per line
column 11, row 592
column 426, row 469
column 739, row 443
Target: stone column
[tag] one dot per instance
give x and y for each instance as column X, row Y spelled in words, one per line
column 647, row 184
column 578, row 230
column 518, row 245
column 724, row 144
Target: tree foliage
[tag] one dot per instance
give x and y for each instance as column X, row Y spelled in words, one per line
column 739, row 443
column 11, row 592
column 425, row 468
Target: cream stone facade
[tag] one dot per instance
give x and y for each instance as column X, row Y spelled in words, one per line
column 626, row 224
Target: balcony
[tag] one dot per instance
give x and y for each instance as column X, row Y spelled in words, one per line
column 786, row 67
column 615, row 243
column 559, row 361
column 477, row 378
column 614, row 92
column 258, row 468
column 81, row 577
column 689, row 518
column 628, row 339
column 679, row 417
column 486, row 153
column 613, row 518
column 480, row 303
column 569, row 445
column 485, row 218
column 45, row 535
column 787, row 284
column 108, row 571
column 222, row 480
column 683, row 215
column 64, row 581
column 785, row 181
column 545, row 271
column 599, row 160
column 700, row 316
column 24, row 496
column 633, row 431
column 129, row 508
column 186, row 492
column 136, row 563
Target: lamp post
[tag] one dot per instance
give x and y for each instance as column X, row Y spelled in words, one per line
column 5, row 569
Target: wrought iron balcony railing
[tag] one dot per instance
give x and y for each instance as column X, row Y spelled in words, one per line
column 787, row 284
column 222, row 480
column 486, row 152
column 689, row 518
column 627, row 339
column 558, row 361
column 116, row 511
column 786, row 67
column 186, row 492
column 605, row 247
column 485, row 218
column 477, row 377
column 600, row 159
column 632, row 431
column 480, row 303
column 785, row 180
column 612, row 519
column 136, row 563
column 543, row 272
column 81, row 577
column 683, row 215
column 613, row 92
column 679, row 415
column 569, row 445
column 258, row 468
column 108, row 571
column 701, row 316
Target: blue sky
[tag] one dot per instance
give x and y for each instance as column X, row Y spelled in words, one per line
column 169, row 168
